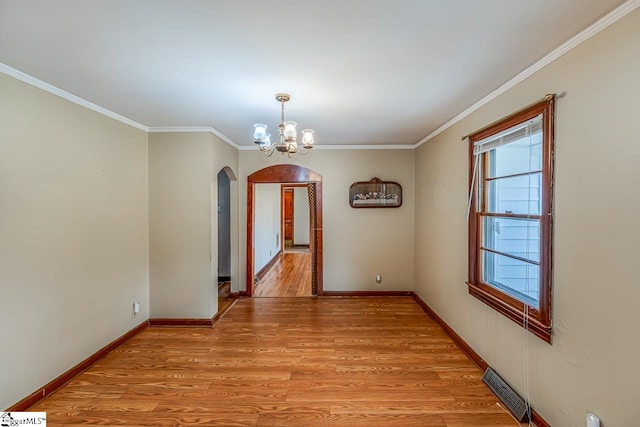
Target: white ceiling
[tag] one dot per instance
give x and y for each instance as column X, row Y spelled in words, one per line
column 360, row 72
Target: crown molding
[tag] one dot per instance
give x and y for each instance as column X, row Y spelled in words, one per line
column 194, row 129
column 177, row 129
column 345, row 147
column 611, row 18
column 606, row 21
column 26, row 78
column 366, row 147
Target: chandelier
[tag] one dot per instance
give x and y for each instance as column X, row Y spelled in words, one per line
column 288, row 136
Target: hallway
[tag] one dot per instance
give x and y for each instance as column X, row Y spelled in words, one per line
column 290, row 276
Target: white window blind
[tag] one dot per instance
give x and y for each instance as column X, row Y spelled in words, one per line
column 512, row 134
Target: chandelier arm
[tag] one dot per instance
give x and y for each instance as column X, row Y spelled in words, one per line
column 287, row 143
column 268, row 150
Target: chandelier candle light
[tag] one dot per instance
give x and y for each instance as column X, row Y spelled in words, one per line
column 288, row 135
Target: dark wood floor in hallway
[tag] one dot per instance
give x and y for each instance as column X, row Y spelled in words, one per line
column 286, row 362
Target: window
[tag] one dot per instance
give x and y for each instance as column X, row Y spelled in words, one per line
column 510, row 216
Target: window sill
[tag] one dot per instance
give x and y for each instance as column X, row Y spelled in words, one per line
column 534, row 325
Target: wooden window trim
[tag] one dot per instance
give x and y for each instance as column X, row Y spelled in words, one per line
column 538, row 321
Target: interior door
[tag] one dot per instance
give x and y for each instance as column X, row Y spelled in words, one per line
column 288, row 215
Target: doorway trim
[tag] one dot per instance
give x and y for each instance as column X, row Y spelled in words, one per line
column 283, row 187
column 283, row 191
column 288, row 174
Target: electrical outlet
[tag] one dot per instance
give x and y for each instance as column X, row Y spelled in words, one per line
column 378, row 278
column 136, row 308
column 593, row 420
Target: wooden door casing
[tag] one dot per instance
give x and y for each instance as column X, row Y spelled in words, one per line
column 289, row 174
column 288, row 214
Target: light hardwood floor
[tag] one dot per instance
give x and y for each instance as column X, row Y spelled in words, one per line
column 224, row 296
column 286, row 362
column 290, row 276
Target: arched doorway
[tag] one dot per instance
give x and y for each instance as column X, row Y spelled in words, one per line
column 224, row 227
column 288, row 174
column 224, row 238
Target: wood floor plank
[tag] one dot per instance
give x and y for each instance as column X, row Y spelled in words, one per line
column 286, row 361
column 287, row 419
column 290, row 276
column 415, row 408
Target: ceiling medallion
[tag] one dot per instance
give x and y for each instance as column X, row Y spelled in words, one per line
column 288, row 135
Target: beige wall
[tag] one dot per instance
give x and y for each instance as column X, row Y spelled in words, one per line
column 183, row 194
column 592, row 364
column 358, row 243
column 301, row 226
column 73, row 235
column 267, row 240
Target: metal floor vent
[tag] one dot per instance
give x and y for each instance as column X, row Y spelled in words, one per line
column 506, row 394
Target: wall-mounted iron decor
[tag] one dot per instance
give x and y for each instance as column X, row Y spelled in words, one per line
column 375, row 194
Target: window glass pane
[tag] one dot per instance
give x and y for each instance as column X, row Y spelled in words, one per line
column 516, row 278
column 518, row 195
column 522, row 155
column 514, row 236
